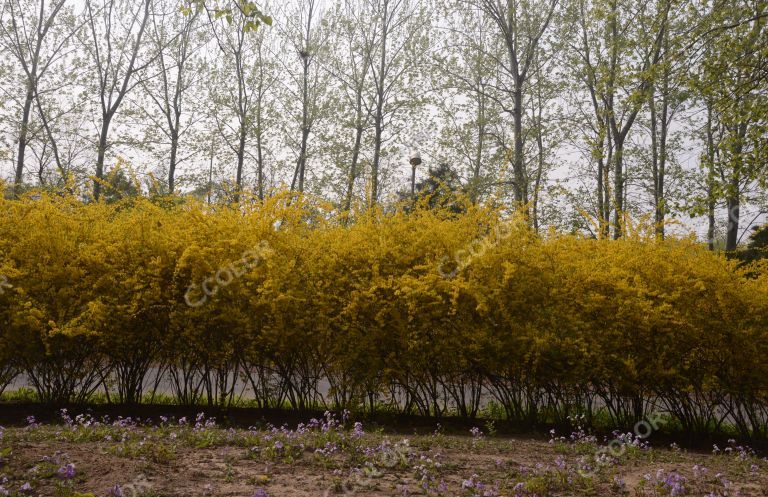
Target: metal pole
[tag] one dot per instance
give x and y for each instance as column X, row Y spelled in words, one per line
column 415, row 161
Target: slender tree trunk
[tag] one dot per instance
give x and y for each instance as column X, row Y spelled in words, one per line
column 654, row 156
column 377, row 126
column 600, row 207
column 240, row 158
column 353, row 167
column 538, row 112
column 105, row 121
column 302, row 165
column 612, row 34
column 710, row 180
column 242, row 110
column 521, row 182
column 603, row 202
column 607, row 184
column 109, row 110
column 51, row 139
column 661, row 206
column 379, row 116
column 259, row 137
column 539, row 172
column 175, row 107
column 733, row 203
column 31, row 70
column 210, row 172
column 259, row 157
column 618, row 187
column 601, row 148
column 303, row 159
column 475, row 193
column 174, row 152
column 23, row 134
column 175, row 124
column 480, row 139
column 733, row 197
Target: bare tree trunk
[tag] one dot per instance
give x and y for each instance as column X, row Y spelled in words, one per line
column 733, row 202
column 733, row 195
column 175, row 124
column 172, row 160
column 242, row 111
column 352, row 175
column 539, row 172
column 378, row 120
column 659, row 132
column 378, row 129
column 19, row 38
column 654, row 157
column 607, row 183
column 117, row 89
column 259, row 135
column 102, row 150
column 520, row 186
column 518, row 164
column 259, row 159
column 521, row 39
column 308, row 47
column 619, row 132
column 302, row 163
column 602, row 195
column 612, row 33
column 710, row 179
column 618, row 186
column 243, row 133
column 538, row 112
column 661, row 206
column 51, row 139
column 474, row 193
column 23, row 133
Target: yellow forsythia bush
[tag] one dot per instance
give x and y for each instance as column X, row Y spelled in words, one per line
column 426, row 312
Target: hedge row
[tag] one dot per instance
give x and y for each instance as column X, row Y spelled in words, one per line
column 426, row 312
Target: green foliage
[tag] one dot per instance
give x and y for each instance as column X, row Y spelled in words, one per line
column 251, row 12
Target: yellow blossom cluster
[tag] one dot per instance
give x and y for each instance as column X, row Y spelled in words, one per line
column 424, row 311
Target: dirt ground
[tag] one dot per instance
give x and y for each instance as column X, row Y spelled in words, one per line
column 120, row 459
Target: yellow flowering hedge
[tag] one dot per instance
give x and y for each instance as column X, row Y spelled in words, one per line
column 426, row 312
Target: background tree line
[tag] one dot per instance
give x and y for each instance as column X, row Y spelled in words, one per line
column 581, row 112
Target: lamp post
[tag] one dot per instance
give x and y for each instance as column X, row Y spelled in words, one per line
column 415, row 161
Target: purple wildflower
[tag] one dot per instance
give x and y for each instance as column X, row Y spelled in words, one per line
column 675, row 483
column 115, row 491
column 618, row 482
column 66, row 472
column 357, row 431
column 65, row 417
